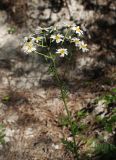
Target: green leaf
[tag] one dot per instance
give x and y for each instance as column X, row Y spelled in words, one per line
column 81, row 114
column 74, row 128
column 69, row 145
column 6, row 98
column 65, row 90
column 105, row 148
column 82, row 127
column 108, row 127
column 114, row 90
column 112, row 119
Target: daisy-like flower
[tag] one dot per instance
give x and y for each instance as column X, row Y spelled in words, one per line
column 77, row 30
column 83, row 46
column 62, row 52
column 40, row 30
column 29, row 47
column 58, row 38
column 76, row 41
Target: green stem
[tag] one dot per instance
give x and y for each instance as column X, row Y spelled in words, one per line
column 66, row 35
column 63, row 98
column 65, row 105
column 43, row 55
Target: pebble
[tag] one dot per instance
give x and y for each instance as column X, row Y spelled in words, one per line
column 101, row 106
column 9, row 133
column 55, row 146
column 29, row 133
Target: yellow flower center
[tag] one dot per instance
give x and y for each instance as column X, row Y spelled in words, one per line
column 62, row 51
column 78, row 29
column 57, row 37
column 29, row 45
column 38, row 38
column 76, row 41
column 84, row 46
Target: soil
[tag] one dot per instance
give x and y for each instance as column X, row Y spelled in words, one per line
column 30, row 105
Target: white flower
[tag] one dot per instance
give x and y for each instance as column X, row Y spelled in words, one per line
column 62, row 52
column 83, row 46
column 58, row 38
column 40, row 29
column 76, row 41
column 77, row 30
column 29, row 47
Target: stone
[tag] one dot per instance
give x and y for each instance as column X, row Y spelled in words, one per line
column 13, row 83
column 34, row 15
column 28, row 85
column 101, row 107
column 5, row 81
column 9, row 133
column 29, row 133
column 3, row 17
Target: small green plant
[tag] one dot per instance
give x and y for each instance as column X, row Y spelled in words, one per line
column 105, row 149
column 81, row 114
column 55, row 43
column 108, row 122
column 6, row 98
column 69, row 145
column 12, row 30
column 109, row 97
column 102, row 148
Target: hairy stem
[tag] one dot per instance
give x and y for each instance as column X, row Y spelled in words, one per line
column 65, row 105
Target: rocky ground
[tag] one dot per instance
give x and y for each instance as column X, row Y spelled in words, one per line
column 33, row 107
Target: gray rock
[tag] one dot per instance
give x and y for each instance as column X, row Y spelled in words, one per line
column 3, row 17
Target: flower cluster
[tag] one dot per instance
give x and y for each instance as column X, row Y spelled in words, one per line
column 56, row 40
